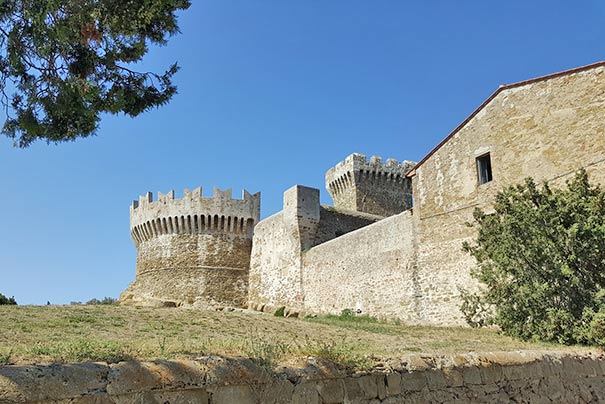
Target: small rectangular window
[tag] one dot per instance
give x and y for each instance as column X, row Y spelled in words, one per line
column 484, row 169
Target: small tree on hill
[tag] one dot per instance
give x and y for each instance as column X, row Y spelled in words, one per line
column 7, row 300
column 541, row 257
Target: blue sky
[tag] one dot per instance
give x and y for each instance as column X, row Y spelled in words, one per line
column 271, row 93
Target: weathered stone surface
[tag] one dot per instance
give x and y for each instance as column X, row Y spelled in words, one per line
column 368, row 386
column 305, row 393
column 192, row 250
column 578, row 377
column 411, row 266
column 39, row 383
column 234, row 394
column 370, row 186
column 133, row 377
column 393, row 384
column 331, row 391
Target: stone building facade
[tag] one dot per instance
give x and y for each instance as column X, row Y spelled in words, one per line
column 410, row 265
column 192, row 250
column 391, row 244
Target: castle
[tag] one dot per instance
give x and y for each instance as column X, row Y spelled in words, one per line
column 391, row 244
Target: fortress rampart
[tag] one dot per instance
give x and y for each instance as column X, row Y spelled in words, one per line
column 193, row 214
column 372, row 187
column 192, row 250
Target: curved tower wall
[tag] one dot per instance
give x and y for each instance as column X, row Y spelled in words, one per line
column 192, row 250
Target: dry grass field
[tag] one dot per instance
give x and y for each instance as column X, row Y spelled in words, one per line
column 60, row 334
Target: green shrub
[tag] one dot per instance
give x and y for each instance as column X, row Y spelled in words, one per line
column 351, row 316
column 104, row 301
column 7, row 300
column 280, row 312
column 541, row 256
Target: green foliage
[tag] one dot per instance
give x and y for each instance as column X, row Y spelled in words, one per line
column 5, row 358
column 7, row 300
column 105, row 300
column 266, row 354
column 340, row 353
column 541, row 257
column 280, row 312
column 68, row 62
column 352, row 316
column 82, row 350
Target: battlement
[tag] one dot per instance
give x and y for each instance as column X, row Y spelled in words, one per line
column 196, row 195
column 342, row 173
column 193, row 214
column 370, row 186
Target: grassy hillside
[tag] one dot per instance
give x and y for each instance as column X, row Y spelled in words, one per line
column 49, row 334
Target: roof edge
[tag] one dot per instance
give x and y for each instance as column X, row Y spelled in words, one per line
column 501, row 88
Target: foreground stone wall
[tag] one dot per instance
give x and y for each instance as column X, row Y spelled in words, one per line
column 520, row 377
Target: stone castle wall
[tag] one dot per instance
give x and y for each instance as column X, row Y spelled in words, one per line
column 546, row 129
column 500, row 377
column 356, row 184
column 363, row 270
column 411, row 266
column 192, row 250
column 280, row 240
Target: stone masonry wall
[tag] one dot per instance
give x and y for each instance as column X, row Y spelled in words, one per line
column 370, row 186
column 276, row 277
column 519, row 377
column 546, row 129
column 190, row 268
column 192, row 250
column 371, row 270
column 413, row 267
column 335, row 222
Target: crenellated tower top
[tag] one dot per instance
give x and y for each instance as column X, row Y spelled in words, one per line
column 371, row 186
column 193, row 214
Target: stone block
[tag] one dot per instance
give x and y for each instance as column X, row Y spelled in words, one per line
column 453, row 377
column 413, row 381
column 198, row 396
column 234, row 395
column 368, row 386
column 331, row 391
column 305, row 393
column 277, row 392
column 471, row 375
column 393, row 384
column 92, row 399
column 491, row 373
column 381, row 384
column 21, row 384
column 435, row 379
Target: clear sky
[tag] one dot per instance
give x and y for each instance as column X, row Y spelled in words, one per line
column 271, row 94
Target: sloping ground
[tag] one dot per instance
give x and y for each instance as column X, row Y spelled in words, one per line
column 66, row 334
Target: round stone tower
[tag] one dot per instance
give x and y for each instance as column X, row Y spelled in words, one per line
column 192, row 250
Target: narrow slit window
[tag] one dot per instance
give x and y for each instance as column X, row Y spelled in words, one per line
column 484, row 169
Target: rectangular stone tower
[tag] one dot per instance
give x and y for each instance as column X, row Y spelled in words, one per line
column 370, row 187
